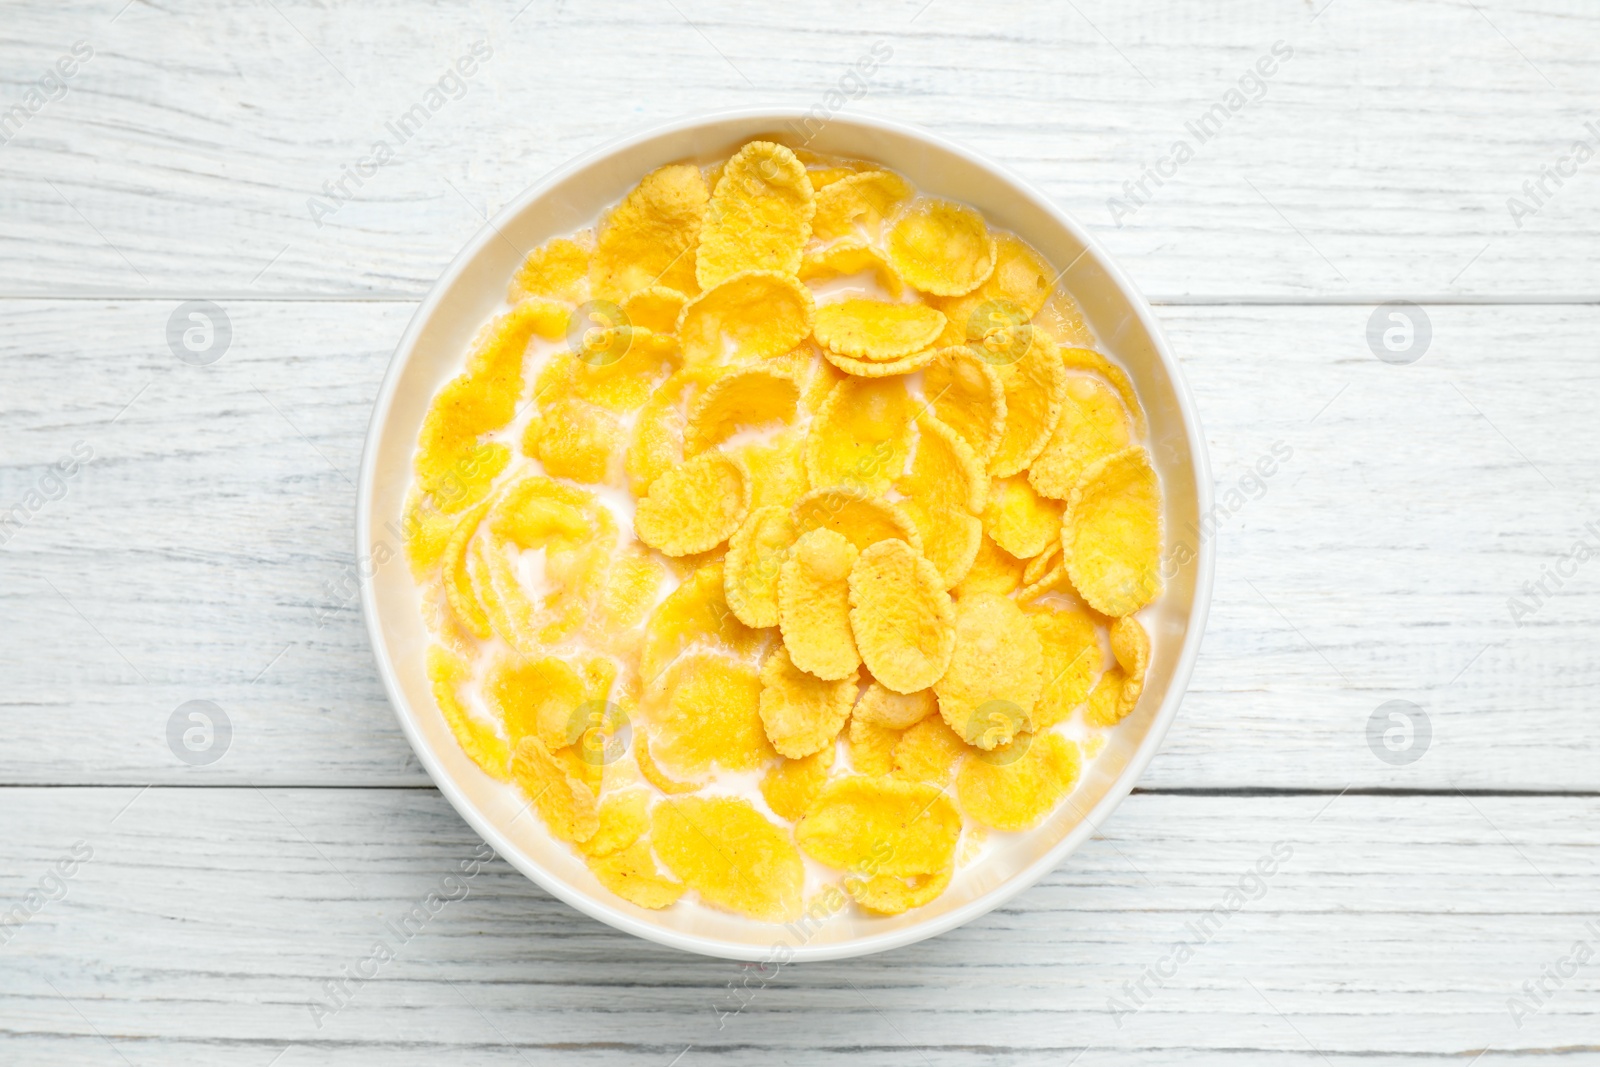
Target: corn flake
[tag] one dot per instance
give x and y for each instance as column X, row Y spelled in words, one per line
column 631, row 586
column 1013, row 792
column 558, row 269
column 847, row 257
column 1090, row 360
column 427, row 534
column 1092, row 426
column 881, row 826
column 886, row 894
column 877, row 330
column 446, row 672
column 742, row 399
column 527, row 624
column 871, row 747
column 1036, row 391
column 631, row 874
column 736, row 859
column 471, row 479
column 575, row 534
column 1070, row 641
column 545, row 698
column 1131, row 646
column 657, row 442
column 864, row 368
column 777, row 469
column 651, row 237
column 929, row 752
column 1042, row 564
column 1063, row 320
column 694, row 507
column 997, row 661
column 817, row 377
column 484, row 397
column 755, row 554
column 791, row 786
column 655, row 775
column 655, row 308
column 968, row 396
column 696, row 612
column 1053, row 580
column 458, row 586
column 901, row 616
column 1111, row 534
column 624, row 818
column 753, row 315
column 882, row 706
column 814, row 605
column 951, row 537
column 802, row 714
column 993, row 570
column 862, row 435
column 616, row 367
column 942, row 248
column 560, row 796
column 1013, row 294
column 1105, row 700
column 944, row 468
column 1019, row 520
column 759, row 217
column 707, row 711
column 578, row 440
column 858, row 202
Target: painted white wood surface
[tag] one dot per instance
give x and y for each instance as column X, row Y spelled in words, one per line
column 203, row 553
column 1394, row 929
column 1379, row 158
column 206, row 552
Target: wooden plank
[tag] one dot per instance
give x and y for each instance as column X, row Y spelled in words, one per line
column 183, row 157
column 206, row 921
column 205, row 553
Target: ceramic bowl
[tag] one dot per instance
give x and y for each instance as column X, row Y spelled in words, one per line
column 570, row 198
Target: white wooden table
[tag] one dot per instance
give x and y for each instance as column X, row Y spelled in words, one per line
column 162, row 912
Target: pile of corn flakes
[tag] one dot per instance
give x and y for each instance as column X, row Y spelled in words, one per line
column 784, row 474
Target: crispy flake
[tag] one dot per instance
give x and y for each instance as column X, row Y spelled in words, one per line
column 901, row 615
column 1111, row 534
column 759, row 217
column 731, row 855
column 694, row 507
column 651, row 237
column 1014, row 792
column 881, row 826
column 814, row 605
column 877, row 330
column 802, row 713
column 862, row 435
column 1092, row 426
column 942, row 248
column 996, row 672
column 754, row 315
column 446, row 672
column 791, row 786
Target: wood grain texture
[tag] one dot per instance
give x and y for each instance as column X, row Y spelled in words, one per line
column 206, row 552
column 1379, row 158
column 1394, row 929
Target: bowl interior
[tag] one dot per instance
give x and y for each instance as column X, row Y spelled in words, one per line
column 471, row 290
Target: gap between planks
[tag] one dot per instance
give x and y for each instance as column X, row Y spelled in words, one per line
column 1239, row 300
column 1242, row 792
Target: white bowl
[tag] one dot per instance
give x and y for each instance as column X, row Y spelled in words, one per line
column 471, row 289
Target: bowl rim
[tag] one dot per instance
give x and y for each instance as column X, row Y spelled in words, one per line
column 935, row 925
